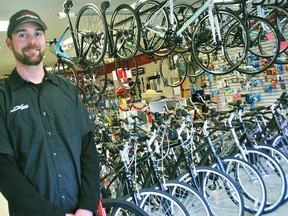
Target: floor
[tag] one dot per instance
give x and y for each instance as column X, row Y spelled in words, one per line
column 281, row 211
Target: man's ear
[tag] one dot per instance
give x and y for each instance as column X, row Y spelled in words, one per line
column 9, row 43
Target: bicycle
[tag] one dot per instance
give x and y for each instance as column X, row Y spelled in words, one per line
column 264, row 42
column 154, row 201
column 123, row 39
column 276, row 13
column 239, row 146
column 212, row 37
column 86, row 58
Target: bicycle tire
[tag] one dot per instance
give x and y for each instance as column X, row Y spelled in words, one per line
column 280, row 142
column 250, row 183
column 208, row 179
column 99, row 76
column 183, row 12
column 225, row 59
column 127, row 24
column 272, row 174
column 194, row 70
column 88, row 89
column 263, row 46
column 193, row 201
column 176, row 72
column 170, row 38
column 277, row 15
column 151, row 42
column 154, row 202
column 118, row 207
column 127, row 78
column 66, row 69
column 280, row 157
column 91, row 34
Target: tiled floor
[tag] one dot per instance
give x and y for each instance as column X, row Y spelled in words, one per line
column 281, row 211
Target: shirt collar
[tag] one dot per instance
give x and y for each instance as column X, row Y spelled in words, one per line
column 16, row 80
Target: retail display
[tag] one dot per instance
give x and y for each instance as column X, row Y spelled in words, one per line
column 189, row 103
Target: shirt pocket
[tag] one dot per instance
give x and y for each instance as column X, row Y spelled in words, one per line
column 66, row 123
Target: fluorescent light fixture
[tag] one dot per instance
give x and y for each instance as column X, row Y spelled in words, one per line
column 4, row 25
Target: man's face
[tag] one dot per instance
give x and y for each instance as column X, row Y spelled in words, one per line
column 28, row 44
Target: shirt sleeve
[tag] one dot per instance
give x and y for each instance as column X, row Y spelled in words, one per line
column 90, row 175
column 19, row 192
column 86, row 122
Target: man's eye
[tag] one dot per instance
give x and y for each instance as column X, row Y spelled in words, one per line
column 23, row 35
column 39, row 34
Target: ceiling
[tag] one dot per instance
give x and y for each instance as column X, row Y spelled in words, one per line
column 48, row 11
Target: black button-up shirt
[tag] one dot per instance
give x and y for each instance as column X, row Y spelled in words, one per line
column 41, row 127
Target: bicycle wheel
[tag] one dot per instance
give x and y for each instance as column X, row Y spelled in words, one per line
column 89, row 89
column 277, row 16
column 170, row 38
column 66, row 69
column 280, row 142
column 226, row 49
column 119, row 207
column 156, row 202
column 272, row 175
column 219, row 190
column 127, row 78
column 193, row 201
column 98, row 76
column 176, row 72
column 280, row 157
column 193, row 68
column 183, row 12
column 125, row 27
column 91, row 34
column 249, row 181
column 151, row 16
column 264, row 46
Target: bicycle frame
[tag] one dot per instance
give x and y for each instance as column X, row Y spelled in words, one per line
column 57, row 46
column 59, row 53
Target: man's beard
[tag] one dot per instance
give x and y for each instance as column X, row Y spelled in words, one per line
column 27, row 60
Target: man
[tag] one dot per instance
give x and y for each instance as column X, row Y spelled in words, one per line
column 48, row 162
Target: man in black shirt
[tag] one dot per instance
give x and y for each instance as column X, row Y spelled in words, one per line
column 49, row 165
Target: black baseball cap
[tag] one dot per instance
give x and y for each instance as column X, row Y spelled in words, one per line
column 24, row 16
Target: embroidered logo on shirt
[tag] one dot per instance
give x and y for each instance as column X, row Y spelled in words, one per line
column 19, row 107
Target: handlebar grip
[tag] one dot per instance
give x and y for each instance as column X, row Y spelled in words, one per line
column 105, row 5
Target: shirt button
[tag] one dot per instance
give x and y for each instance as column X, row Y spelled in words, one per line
column 44, row 113
column 49, row 133
column 54, row 154
column 59, row 176
column 63, row 197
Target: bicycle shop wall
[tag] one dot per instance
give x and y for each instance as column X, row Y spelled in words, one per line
column 258, row 90
column 149, row 78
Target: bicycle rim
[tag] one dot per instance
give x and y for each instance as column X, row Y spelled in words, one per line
column 150, row 16
column 159, row 203
column 66, row 69
column 219, row 190
column 125, row 27
column 264, row 46
column 119, row 207
column 176, row 72
column 193, row 201
column 227, row 50
column 91, row 34
column 272, row 175
column 250, row 182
